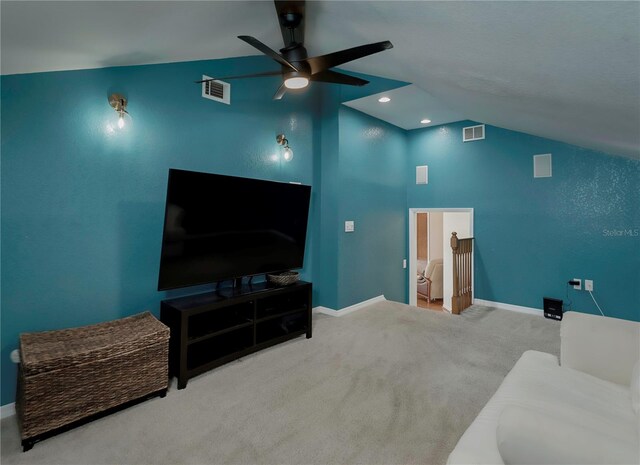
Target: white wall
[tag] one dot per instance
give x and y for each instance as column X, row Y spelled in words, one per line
column 459, row 222
column 435, row 235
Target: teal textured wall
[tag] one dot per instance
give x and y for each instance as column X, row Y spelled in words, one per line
column 326, row 270
column 533, row 235
column 82, row 208
column 362, row 179
column 372, row 192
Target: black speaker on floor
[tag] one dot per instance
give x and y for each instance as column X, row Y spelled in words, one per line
column 552, row 308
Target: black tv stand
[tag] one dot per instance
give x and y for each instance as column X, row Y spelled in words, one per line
column 209, row 330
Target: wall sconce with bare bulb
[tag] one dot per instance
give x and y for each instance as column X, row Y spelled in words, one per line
column 119, row 104
column 287, row 153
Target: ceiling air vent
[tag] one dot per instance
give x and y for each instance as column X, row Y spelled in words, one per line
column 216, row 90
column 472, row 133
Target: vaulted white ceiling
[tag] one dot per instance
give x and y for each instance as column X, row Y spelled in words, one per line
column 568, row 71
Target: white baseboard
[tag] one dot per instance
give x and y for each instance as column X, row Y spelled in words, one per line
column 511, row 307
column 349, row 309
column 8, row 410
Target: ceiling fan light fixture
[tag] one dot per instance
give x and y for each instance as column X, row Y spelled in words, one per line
column 296, row 82
column 296, row 67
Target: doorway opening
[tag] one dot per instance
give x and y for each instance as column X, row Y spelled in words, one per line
column 429, row 260
column 431, row 257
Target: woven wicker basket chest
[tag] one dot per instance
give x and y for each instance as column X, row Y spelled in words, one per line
column 71, row 376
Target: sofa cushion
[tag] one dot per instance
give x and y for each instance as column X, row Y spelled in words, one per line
column 537, row 382
column 604, row 347
column 525, row 436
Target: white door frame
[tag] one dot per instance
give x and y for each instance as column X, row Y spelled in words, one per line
column 413, row 248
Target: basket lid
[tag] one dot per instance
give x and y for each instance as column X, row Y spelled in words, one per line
column 50, row 350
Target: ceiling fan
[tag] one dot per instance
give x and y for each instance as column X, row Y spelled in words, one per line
column 296, row 68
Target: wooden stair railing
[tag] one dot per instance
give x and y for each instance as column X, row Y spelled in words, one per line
column 462, row 292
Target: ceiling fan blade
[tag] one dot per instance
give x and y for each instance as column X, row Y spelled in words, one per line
column 320, row 63
column 280, row 92
column 265, row 74
column 291, row 7
column 267, row 51
column 338, row 78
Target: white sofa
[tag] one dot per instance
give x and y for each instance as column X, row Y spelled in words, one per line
column 581, row 411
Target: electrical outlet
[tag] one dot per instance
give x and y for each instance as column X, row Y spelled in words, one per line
column 588, row 285
column 404, row 263
column 578, row 286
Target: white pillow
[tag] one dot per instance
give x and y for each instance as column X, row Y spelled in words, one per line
column 635, row 388
column 528, row 437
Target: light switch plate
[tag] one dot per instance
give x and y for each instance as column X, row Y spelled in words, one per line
column 349, row 226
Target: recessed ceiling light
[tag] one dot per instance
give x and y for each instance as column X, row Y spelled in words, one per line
column 384, row 99
column 425, row 121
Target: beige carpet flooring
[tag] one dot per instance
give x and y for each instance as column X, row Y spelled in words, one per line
column 388, row 384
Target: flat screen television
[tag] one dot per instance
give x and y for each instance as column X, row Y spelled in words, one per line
column 219, row 227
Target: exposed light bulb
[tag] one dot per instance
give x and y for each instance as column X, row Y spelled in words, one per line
column 298, row 82
column 384, row 99
column 121, row 121
column 287, row 154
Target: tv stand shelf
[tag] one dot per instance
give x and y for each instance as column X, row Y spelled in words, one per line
column 209, row 330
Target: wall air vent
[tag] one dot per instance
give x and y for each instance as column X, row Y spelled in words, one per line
column 472, row 133
column 216, row 90
column 422, row 174
column 542, row 166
